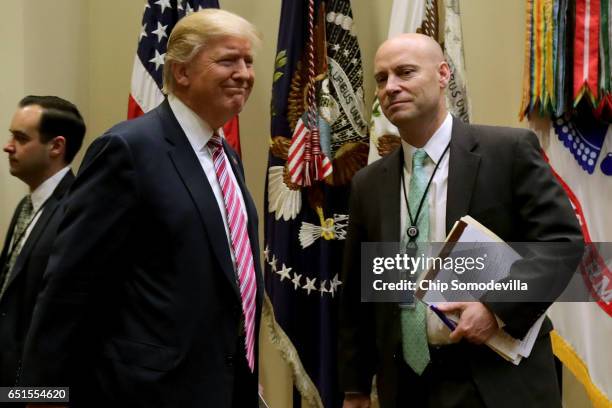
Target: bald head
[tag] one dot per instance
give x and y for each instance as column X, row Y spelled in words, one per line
column 427, row 48
column 411, row 75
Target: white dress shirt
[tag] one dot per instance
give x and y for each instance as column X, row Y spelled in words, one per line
column 40, row 196
column 199, row 133
column 437, row 332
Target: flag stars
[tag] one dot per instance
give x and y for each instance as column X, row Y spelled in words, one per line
column 336, row 47
column 310, row 285
column 158, row 59
column 346, row 53
column 326, row 286
column 354, row 61
column 160, row 32
column 322, row 288
column 334, row 284
column 267, row 253
column 296, row 281
column 143, row 31
column 272, row 263
column 284, row 273
column 164, row 4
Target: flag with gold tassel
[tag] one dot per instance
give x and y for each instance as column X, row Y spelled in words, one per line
column 318, row 141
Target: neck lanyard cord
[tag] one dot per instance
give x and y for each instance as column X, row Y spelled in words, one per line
column 413, row 222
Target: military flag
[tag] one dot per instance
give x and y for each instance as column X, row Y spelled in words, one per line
column 583, row 330
column 563, row 52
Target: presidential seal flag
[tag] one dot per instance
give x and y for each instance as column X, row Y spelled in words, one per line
column 158, row 20
column 318, row 141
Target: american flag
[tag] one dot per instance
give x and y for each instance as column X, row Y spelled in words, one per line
column 158, row 20
column 295, row 160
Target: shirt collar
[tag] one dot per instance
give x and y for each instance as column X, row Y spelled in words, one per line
column 44, row 191
column 198, row 132
column 436, row 144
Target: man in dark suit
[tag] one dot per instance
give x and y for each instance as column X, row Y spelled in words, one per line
column 46, row 134
column 497, row 176
column 154, row 289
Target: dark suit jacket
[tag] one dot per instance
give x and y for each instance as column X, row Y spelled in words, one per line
column 17, row 303
column 497, row 176
column 142, row 305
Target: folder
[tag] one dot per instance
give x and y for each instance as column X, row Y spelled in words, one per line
column 468, row 230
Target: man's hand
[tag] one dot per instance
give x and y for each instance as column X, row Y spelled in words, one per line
column 476, row 323
column 356, row 400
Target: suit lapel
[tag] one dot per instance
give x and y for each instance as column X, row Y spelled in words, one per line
column 389, row 197
column 462, row 170
column 9, row 236
column 190, row 171
column 48, row 210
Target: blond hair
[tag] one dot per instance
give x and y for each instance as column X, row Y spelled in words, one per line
column 192, row 33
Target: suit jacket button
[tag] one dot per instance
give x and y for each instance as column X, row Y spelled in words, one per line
column 229, row 360
column 3, row 314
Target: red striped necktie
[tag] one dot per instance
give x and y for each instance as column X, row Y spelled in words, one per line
column 241, row 244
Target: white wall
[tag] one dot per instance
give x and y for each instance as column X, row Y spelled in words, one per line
column 43, row 51
column 11, row 90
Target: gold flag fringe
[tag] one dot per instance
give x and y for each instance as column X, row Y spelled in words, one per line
column 565, row 352
column 281, row 341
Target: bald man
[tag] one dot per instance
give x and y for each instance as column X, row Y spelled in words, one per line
column 497, row 176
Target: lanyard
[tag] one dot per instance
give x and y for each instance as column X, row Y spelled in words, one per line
column 413, row 230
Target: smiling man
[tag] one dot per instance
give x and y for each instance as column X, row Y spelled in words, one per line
column 444, row 170
column 155, row 290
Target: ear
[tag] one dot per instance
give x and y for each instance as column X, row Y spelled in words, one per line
column 180, row 71
column 444, row 72
column 57, row 147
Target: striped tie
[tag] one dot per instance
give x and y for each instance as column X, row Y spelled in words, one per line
column 241, row 244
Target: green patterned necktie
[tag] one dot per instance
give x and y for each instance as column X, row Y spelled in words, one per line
column 23, row 220
column 414, row 320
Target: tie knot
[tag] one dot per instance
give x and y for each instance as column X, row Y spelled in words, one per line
column 418, row 158
column 215, row 141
